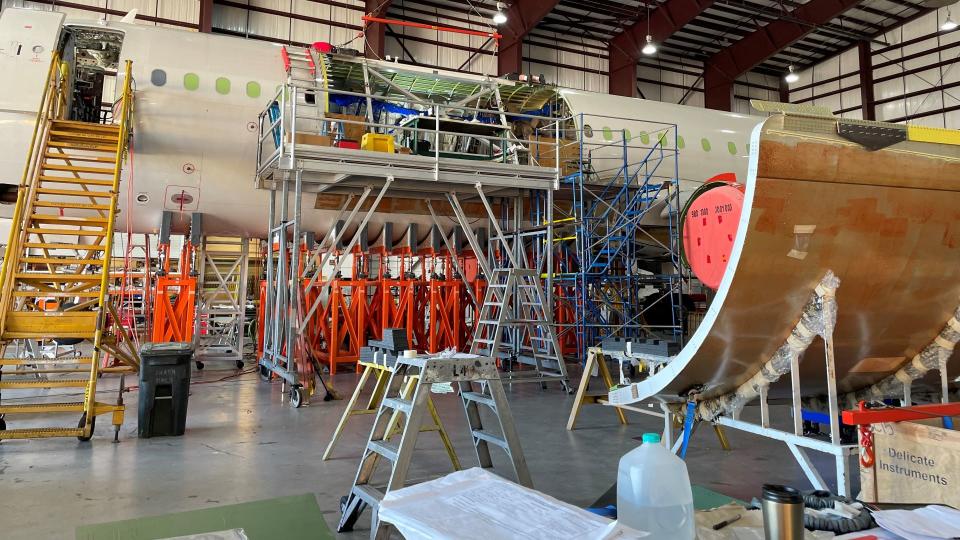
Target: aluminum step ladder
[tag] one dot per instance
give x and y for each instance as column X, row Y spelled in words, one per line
column 464, row 370
column 55, row 276
column 513, row 307
column 222, row 299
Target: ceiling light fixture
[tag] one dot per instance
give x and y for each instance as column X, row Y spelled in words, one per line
column 650, row 47
column 791, row 76
column 499, row 17
column 949, row 24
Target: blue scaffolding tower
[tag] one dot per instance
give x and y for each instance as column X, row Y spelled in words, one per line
column 617, row 266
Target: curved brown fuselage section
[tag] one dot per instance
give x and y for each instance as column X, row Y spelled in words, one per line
column 887, row 223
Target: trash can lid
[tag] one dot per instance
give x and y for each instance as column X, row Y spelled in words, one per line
column 175, row 348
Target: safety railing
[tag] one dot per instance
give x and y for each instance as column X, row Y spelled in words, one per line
column 280, row 123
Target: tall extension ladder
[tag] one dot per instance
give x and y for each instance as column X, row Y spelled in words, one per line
column 531, row 330
column 55, row 275
column 398, row 450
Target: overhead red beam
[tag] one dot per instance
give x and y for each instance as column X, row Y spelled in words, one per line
column 625, row 49
column 865, row 416
column 375, row 33
column 722, row 69
column 522, row 17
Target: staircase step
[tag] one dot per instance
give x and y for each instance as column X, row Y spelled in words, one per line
column 66, row 232
column 49, row 245
column 40, row 433
column 69, row 220
column 64, row 261
column 52, row 383
column 51, row 294
column 79, row 157
column 70, row 135
column 479, row 398
column 77, row 181
column 77, row 169
column 78, row 206
column 33, row 408
column 403, row 405
column 86, row 146
column 44, row 361
column 75, row 193
column 73, row 124
column 58, row 278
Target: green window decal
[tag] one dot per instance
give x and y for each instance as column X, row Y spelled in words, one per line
column 645, row 138
column 662, row 139
column 191, row 81
column 705, row 144
column 222, row 85
column 627, row 136
column 732, row 148
column 607, row 133
column 253, row 89
column 681, row 144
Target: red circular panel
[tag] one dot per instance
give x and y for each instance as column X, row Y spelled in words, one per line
column 709, row 229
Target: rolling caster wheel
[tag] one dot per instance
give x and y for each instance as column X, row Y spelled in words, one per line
column 199, row 364
column 296, row 397
column 265, row 373
column 82, row 423
column 239, row 364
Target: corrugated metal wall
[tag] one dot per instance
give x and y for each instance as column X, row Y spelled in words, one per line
column 565, row 60
column 914, row 70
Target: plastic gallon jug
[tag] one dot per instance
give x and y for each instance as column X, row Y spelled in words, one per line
column 653, row 492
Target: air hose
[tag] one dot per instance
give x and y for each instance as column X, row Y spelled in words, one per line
column 820, row 500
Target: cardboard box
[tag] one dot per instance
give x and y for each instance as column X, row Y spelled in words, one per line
column 543, row 152
column 311, row 139
column 351, row 131
column 914, row 463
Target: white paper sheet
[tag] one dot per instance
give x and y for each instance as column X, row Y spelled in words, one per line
column 478, row 505
column 927, row 523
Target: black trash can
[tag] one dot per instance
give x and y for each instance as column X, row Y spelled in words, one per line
column 164, row 388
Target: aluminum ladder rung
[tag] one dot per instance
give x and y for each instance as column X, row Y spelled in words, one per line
column 403, row 405
column 490, row 438
column 369, row 495
column 386, row 449
column 480, row 398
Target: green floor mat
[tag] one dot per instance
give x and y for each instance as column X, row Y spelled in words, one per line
column 291, row 518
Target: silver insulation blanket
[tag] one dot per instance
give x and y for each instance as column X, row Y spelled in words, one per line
column 818, row 319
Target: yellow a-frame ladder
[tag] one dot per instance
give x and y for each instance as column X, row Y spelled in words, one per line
column 54, row 278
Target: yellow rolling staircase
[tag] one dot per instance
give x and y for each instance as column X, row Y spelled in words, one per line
column 54, row 278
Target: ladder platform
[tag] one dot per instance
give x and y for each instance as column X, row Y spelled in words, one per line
column 50, row 324
column 386, row 449
column 479, row 398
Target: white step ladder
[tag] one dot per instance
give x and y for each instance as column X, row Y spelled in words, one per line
column 398, row 450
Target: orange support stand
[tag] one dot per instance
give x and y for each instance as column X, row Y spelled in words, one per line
column 342, row 323
column 174, row 304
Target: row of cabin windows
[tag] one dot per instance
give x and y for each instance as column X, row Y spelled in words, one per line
column 191, row 82
column 608, row 135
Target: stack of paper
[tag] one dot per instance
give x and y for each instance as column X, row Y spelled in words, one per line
column 927, row 523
